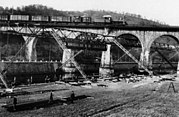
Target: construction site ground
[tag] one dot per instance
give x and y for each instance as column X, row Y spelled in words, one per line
column 150, row 97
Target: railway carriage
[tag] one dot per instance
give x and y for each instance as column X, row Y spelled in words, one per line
column 56, row 19
column 67, row 19
column 39, row 18
column 19, row 18
column 60, row 19
column 4, row 18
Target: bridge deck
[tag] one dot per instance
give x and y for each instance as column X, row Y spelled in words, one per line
column 91, row 26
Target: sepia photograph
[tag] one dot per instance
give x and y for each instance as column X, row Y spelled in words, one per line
column 89, row 58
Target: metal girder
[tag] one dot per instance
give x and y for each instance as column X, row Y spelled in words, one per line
column 97, row 36
column 24, row 31
column 67, row 34
column 81, row 35
column 82, row 40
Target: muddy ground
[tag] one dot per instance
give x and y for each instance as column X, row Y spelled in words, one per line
column 146, row 98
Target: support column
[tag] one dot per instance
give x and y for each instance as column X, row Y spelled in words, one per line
column 146, row 62
column 31, row 53
column 106, row 69
column 144, row 58
column 69, row 68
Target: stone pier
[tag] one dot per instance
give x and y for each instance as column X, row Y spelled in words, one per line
column 145, row 59
column 106, row 69
column 69, row 68
column 31, row 53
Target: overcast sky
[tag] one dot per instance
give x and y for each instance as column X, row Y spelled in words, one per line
column 163, row 10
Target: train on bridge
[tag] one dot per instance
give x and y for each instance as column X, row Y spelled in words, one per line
column 106, row 19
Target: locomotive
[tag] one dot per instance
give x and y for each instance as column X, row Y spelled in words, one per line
column 61, row 19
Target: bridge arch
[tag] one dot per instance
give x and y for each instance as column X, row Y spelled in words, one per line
column 164, row 35
column 133, row 44
column 138, row 34
column 160, row 51
column 43, row 48
column 50, row 48
column 129, row 40
column 10, row 44
column 129, row 35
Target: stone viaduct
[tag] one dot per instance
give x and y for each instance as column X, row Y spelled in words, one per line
column 146, row 36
